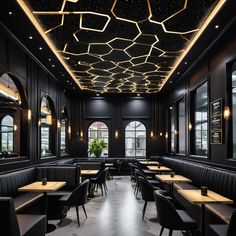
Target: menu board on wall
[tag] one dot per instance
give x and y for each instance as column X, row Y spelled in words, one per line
column 216, row 121
column 216, row 137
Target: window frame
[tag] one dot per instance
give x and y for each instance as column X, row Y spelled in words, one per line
column 66, row 117
column 192, row 119
column 108, row 137
column 52, row 130
column 8, row 132
column 178, row 128
column 229, row 123
column 135, row 150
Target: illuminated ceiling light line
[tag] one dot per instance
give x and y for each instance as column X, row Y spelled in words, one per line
column 57, row 26
column 124, row 19
column 207, row 21
column 94, row 13
column 65, row 46
column 151, row 15
column 177, row 32
column 162, row 23
column 28, row 12
column 118, row 38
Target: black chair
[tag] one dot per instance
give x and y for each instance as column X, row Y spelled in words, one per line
column 224, row 229
column 171, row 218
column 13, row 224
column 132, row 168
column 100, row 181
column 77, row 198
column 147, row 192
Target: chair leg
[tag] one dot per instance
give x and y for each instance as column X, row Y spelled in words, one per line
column 138, row 188
column 162, row 229
column 84, row 211
column 77, row 212
column 101, row 189
column 144, row 208
column 135, row 189
column 104, row 186
column 170, row 232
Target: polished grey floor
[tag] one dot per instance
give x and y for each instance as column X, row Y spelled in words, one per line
column 117, row 214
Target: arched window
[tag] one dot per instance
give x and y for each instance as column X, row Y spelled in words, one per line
column 7, row 134
column 64, row 132
column 46, row 127
column 98, row 130
column 135, row 139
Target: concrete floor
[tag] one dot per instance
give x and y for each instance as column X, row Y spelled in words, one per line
column 117, row 214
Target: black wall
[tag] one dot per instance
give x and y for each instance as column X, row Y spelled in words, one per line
column 36, row 81
column 215, row 65
column 116, row 111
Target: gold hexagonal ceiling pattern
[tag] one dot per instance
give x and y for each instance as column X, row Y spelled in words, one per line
column 129, row 46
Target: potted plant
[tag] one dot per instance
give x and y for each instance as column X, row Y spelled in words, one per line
column 96, row 147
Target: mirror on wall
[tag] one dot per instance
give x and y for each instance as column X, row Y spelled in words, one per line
column 11, row 118
column 64, row 132
column 46, row 122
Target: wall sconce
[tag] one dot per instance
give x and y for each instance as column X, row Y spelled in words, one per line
column 226, row 112
column 69, row 130
column 15, row 127
column 171, row 108
column 161, row 134
column 176, row 132
column 151, row 134
column 81, row 134
column 48, row 119
column 166, row 135
column 116, row 134
column 39, row 122
column 58, row 124
column 29, row 116
column 190, row 126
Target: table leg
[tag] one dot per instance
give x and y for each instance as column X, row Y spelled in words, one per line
column 50, row 227
column 171, row 186
column 203, row 219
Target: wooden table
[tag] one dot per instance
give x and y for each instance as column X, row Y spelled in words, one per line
column 171, row 180
column 89, row 172
column 195, row 197
column 149, row 162
column 51, row 186
column 157, row 168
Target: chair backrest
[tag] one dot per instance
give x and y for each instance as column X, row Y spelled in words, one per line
column 167, row 214
column 8, row 219
column 146, row 189
column 79, row 196
column 232, row 225
column 101, row 178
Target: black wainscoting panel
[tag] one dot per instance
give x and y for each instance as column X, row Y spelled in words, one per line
column 97, row 108
column 136, row 108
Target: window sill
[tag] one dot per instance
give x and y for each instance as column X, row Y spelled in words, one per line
column 198, row 156
column 49, row 156
column 13, row 160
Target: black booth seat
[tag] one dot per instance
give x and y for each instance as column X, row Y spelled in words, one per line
column 13, row 224
column 216, row 179
column 10, row 182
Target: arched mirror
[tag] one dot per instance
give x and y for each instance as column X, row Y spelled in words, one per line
column 64, row 132
column 47, row 127
column 12, row 123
